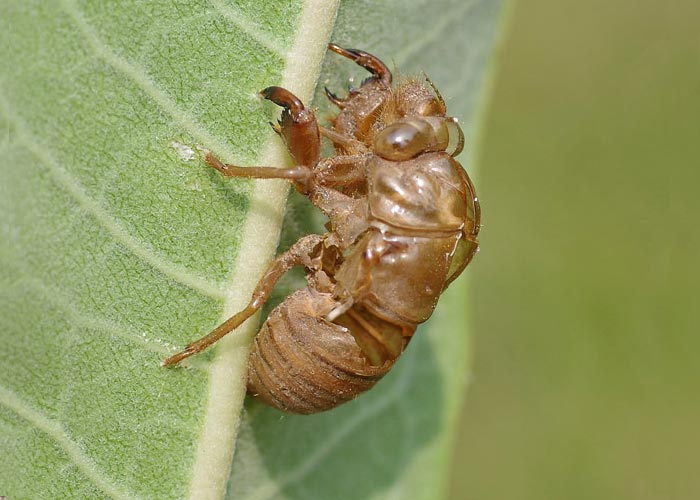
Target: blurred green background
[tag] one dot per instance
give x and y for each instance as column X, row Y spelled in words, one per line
column 586, row 295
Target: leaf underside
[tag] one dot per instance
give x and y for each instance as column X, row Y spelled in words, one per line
column 118, row 246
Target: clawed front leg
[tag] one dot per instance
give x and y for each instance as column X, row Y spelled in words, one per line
column 298, row 126
column 299, row 129
column 371, row 63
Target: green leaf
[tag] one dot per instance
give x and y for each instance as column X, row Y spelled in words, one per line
column 118, row 246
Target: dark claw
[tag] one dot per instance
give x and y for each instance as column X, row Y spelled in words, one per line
column 334, row 98
column 283, row 97
column 371, row 63
column 276, row 127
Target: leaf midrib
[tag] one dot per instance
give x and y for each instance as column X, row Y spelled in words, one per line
column 224, row 405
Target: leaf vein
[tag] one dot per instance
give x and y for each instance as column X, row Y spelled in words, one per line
column 58, row 434
column 264, row 38
column 61, row 301
column 141, row 78
column 113, row 227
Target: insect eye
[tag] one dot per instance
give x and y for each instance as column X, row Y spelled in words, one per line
column 407, row 139
column 404, row 140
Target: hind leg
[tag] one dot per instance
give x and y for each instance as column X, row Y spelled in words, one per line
column 301, row 253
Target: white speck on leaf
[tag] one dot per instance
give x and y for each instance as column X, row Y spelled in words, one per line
column 183, row 150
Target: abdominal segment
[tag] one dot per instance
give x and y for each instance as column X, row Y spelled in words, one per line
column 302, row 363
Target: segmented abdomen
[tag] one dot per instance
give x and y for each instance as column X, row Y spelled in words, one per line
column 301, row 363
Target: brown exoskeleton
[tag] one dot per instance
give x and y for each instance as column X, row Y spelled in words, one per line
column 403, row 221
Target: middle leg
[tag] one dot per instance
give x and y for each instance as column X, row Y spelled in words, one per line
column 300, row 175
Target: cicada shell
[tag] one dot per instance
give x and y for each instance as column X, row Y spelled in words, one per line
column 403, row 224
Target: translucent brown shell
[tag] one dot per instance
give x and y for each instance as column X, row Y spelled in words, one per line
column 403, row 224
